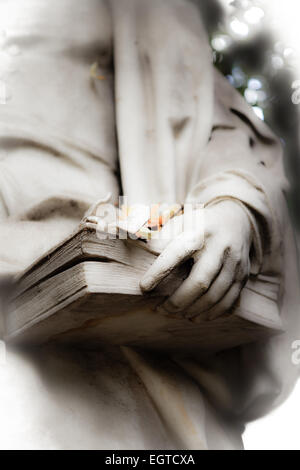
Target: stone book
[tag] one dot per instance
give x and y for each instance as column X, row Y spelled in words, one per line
column 86, row 292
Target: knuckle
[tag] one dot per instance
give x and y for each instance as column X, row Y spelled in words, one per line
column 227, row 251
column 172, row 304
column 189, row 243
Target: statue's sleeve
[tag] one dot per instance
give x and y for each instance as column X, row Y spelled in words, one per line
column 164, row 95
column 57, row 140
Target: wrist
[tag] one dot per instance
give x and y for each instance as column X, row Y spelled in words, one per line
column 236, row 215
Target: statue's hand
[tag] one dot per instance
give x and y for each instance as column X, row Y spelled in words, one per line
column 221, row 264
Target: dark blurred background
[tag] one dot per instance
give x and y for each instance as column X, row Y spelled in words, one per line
column 258, row 66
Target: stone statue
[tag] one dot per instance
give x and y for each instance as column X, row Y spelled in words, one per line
column 120, row 97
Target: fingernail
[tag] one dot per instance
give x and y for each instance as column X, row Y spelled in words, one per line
column 146, row 284
column 212, row 316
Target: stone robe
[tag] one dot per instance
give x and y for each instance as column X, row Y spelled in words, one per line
column 155, row 122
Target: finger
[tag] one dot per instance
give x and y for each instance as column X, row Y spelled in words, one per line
column 170, row 231
column 231, row 272
column 180, row 249
column 201, row 276
column 227, row 302
column 214, row 294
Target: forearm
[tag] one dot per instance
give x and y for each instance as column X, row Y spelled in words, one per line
column 234, row 171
